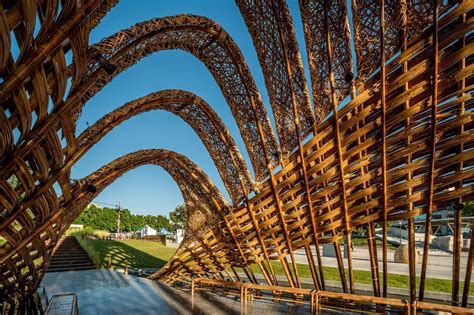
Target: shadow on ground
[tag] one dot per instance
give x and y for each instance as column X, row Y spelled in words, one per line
column 135, row 257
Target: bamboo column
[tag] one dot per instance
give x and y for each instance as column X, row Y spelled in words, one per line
column 371, row 241
column 408, row 161
column 434, row 111
column 467, row 279
column 317, row 280
column 457, row 254
column 339, row 152
column 283, row 261
column 384, row 148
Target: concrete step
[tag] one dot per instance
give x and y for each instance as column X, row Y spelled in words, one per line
column 71, row 262
column 69, row 255
column 71, row 268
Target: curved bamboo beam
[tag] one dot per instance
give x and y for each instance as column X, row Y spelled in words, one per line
column 265, row 21
column 178, row 166
column 208, row 42
column 208, row 127
column 197, row 35
column 202, row 197
column 191, row 179
column 200, row 116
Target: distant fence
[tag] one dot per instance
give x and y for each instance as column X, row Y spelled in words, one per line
column 154, row 238
column 129, row 236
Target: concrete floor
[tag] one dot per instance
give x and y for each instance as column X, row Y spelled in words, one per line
column 110, row 292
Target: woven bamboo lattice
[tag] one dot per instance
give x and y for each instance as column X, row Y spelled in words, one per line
column 389, row 136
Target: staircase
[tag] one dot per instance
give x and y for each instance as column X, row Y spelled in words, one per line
column 69, row 255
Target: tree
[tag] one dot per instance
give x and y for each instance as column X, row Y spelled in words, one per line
column 106, row 219
column 179, row 216
column 163, row 222
column 468, row 210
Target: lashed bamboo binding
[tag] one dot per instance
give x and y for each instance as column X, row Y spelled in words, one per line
column 390, row 135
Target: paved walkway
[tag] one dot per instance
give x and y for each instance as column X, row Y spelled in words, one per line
column 110, row 292
column 440, row 264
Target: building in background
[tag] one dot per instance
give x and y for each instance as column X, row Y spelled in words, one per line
column 179, row 235
column 146, row 231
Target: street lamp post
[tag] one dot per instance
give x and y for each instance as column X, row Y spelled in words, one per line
column 400, row 231
column 119, row 210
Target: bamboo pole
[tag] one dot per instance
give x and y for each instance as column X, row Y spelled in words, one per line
column 252, row 216
column 434, row 104
column 372, row 245
column 467, row 279
column 272, row 186
column 339, row 152
column 409, row 176
column 456, row 254
column 254, row 221
column 337, row 247
column 384, row 148
column 314, row 274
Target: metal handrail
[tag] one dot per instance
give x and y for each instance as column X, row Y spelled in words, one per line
column 74, row 306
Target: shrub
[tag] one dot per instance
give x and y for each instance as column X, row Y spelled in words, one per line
column 101, row 234
column 95, row 256
column 87, row 232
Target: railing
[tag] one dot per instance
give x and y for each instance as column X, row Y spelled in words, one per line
column 125, row 268
column 318, row 299
column 74, row 310
column 44, row 294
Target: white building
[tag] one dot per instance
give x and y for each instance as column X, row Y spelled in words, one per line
column 179, row 235
column 146, row 231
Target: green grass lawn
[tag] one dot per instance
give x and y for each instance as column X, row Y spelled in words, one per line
column 138, row 254
column 147, row 254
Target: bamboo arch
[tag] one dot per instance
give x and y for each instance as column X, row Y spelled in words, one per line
column 191, row 180
column 282, row 66
column 204, row 202
column 202, row 198
column 201, row 117
column 208, row 42
column 198, row 114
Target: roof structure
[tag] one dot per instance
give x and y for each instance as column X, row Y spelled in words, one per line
column 389, row 135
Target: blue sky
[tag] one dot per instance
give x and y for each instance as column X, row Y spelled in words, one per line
column 149, row 189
